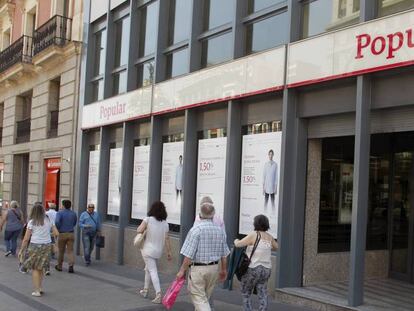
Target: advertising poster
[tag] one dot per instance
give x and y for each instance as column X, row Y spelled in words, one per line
column 211, row 172
column 172, row 180
column 114, row 185
column 345, row 200
column 140, row 182
column 93, row 177
column 259, row 189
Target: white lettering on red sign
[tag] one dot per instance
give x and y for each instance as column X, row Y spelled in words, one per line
column 390, row 44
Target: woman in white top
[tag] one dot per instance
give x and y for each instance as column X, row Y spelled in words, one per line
column 260, row 266
column 38, row 232
column 156, row 237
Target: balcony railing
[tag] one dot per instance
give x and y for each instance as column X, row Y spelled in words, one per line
column 23, row 131
column 19, row 51
column 56, row 31
column 54, row 120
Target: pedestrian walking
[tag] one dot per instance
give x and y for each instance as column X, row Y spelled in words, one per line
column 156, row 231
column 51, row 213
column 38, row 233
column 204, row 247
column 14, row 220
column 259, row 270
column 90, row 224
column 65, row 223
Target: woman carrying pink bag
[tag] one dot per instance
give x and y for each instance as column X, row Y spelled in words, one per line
column 156, row 230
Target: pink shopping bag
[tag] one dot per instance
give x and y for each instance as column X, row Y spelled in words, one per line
column 172, row 293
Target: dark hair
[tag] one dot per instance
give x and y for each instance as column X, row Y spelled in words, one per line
column 158, row 211
column 66, row 204
column 261, row 223
column 271, row 151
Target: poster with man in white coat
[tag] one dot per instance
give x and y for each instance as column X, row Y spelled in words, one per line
column 259, row 186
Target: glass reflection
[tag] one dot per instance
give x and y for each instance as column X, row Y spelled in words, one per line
column 267, row 33
column 325, row 15
column 216, row 50
column 177, row 63
column 257, row 5
column 387, row 7
column 180, row 17
column 217, row 13
column 146, row 73
column 121, row 39
column 148, row 36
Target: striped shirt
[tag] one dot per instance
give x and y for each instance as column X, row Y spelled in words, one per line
column 205, row 243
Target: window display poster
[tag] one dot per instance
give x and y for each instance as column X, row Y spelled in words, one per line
column 140, row 182
column 93, row 177
column 259, row 189
column 172, row 180
column 211, row 172
column 345, row 199
column 114, row 184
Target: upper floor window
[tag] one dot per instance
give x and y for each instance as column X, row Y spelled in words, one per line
column 180, row 16
column 121, row 39
column 148, row 29
column 216, row 50
column 179, row 21
column 99, row 52
column 119, row 73
column 217, row 13
column 325, row 15
column 99, row 45
column 387, row 7
column 177, row 63
column 257, row 5
column 267, row 33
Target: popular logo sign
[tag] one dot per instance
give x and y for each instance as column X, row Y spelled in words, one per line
column 389, row 44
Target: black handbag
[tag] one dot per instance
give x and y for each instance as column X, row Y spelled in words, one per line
column 245, row 260
column 100, row 241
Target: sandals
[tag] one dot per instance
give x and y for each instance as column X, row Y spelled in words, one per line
column 144, row 292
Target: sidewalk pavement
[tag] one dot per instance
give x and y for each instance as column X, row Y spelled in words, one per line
column 101, row 286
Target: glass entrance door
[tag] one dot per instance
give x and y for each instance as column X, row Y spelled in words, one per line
column 401, row 225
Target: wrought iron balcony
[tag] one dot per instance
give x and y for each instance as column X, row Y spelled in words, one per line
column 56, row 31
column 19, row 51
column 23, row 131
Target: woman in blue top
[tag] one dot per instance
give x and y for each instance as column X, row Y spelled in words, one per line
column 13, row 218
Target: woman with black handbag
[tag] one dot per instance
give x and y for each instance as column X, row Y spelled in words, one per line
column 259, row 245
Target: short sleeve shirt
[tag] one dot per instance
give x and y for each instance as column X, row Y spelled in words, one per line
column 40, row 234
column 155, row 237
column 205, row 243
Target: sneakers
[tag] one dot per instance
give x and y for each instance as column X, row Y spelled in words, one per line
column 47, row 272
column 7, row 254
column 144, row 292
column 157, row 299
column 36, row 294
column 58, row 268
column 71, row 269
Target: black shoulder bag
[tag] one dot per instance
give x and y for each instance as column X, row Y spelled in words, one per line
column 245, row 260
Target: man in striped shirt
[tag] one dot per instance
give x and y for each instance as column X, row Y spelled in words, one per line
column 204, row 247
